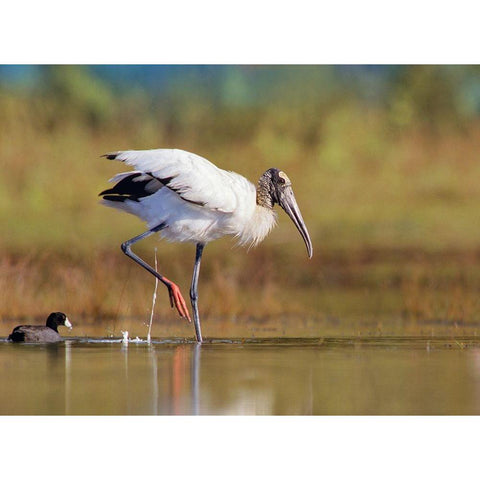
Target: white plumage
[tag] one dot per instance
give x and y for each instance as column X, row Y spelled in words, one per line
column 185, row 198
column 202, row 202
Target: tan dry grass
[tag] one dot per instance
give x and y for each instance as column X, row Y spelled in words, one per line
column 366, row 189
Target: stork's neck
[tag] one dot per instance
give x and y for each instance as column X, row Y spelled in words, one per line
column 264, row 191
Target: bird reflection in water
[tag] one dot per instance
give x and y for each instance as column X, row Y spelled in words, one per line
column 185, row 364
column 174, row 377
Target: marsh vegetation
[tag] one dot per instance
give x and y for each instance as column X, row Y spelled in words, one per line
column 387, row 183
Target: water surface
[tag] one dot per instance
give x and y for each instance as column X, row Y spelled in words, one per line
column 378, row 375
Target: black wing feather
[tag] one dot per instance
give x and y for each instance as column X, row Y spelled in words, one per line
column 131, row 188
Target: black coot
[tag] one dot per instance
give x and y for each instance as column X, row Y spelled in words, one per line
column 39, row 333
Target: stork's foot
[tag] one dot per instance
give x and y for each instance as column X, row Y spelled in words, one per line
column 177, row 300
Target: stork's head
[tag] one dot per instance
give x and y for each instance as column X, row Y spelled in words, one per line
column 275, row 187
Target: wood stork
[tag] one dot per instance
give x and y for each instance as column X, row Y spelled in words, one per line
column 186, row 198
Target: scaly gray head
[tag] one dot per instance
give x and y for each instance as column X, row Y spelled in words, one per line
column 275, row 187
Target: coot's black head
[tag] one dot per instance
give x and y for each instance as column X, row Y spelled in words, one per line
column 275, row 187
column 57, row 319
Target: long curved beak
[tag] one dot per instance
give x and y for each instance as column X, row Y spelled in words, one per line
column 289, row 204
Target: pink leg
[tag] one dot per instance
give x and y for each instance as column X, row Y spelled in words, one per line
column 176, row 298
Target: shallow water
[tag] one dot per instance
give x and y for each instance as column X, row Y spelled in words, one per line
column 274, row 376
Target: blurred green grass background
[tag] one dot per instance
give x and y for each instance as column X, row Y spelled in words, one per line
column 383, row 160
